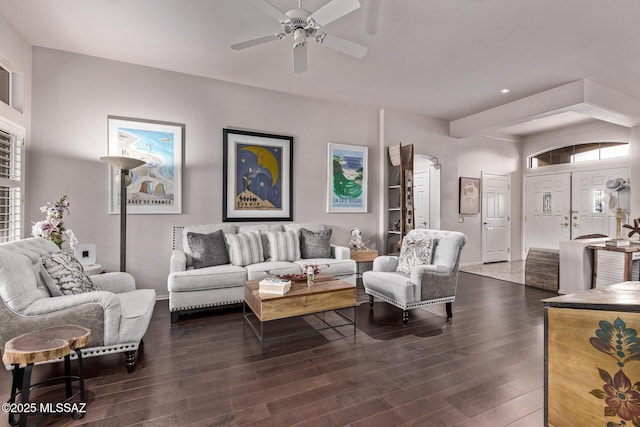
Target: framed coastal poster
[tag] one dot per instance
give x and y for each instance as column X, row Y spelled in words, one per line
column 156, row 186
column 257, row 176
column 347, row 178
column 469, row 196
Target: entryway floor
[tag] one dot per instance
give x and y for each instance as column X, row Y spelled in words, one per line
column 511, row 271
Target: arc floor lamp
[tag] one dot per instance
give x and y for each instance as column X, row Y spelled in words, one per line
column 124, row 164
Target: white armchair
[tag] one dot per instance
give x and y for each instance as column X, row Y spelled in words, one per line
column 117, row 315
column 425, row 284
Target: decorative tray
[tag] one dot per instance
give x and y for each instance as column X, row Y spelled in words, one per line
column 296, row 277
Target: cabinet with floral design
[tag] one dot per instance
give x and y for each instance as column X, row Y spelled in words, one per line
column 592, row 357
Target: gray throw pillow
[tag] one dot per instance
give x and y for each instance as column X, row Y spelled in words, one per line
column 414, row 252
column 315, row 245
column 64, row 275
column 208, row 249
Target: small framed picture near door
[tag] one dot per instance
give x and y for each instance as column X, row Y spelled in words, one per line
column 469, row 196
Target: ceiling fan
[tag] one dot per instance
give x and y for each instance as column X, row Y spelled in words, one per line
column 302, row 24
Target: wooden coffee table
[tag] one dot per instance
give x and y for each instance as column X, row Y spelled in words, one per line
column 327, row 294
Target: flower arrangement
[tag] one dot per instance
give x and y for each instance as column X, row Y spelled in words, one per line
column 52, row 228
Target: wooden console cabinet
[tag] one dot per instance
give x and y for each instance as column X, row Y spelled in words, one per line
column 592, row 357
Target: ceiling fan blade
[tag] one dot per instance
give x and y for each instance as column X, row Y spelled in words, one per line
column 300, row 58
column 341, row 45
column 259, row 40
column 333, row 10
column 270, row 10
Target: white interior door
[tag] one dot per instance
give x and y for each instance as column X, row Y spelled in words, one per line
column 496, row 205
column 421, row 181
column 547, row 207
column 590, row 212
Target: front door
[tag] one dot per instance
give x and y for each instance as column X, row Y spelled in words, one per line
column 496, row 205
column 591, row 212
column 547, row 218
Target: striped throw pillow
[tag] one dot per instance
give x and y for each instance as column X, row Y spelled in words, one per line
column 245, row 248
column 284, row 245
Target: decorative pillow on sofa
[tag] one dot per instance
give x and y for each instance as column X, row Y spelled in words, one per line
column 208, row 249
column 283, row 245
column 263, row 229
column 64, row 275
column 245, row 248
column 315, row 245
column 204, row 229
column 414, row 252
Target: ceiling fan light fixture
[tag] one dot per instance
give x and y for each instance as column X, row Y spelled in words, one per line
column 302, row 24
column 299, row 36
column 311, row 24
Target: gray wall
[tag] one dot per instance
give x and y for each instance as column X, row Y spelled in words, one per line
column 459, row 157
column 15, row 55
column 480, row 154
column 76, row 93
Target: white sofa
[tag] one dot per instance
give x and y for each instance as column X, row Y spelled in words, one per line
column 197, row 289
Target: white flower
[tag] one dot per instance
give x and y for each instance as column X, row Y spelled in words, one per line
column 52, row 228
column 36, row 230
column 73, row 242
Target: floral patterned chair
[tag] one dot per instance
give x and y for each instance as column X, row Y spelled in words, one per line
column 425, row 273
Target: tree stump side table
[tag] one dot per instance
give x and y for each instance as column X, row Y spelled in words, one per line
column 23, row 351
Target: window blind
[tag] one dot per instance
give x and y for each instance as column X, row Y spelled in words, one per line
column 10, row 187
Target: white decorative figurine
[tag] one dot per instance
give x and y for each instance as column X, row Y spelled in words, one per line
column 355, row 241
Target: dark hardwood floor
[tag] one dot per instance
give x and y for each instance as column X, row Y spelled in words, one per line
column 482, row 368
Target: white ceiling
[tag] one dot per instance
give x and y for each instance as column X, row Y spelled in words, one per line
column 556, row 121
column 443, row 58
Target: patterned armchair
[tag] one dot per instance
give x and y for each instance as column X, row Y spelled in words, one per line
column 426, row 272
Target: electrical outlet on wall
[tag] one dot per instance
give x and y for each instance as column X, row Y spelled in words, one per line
column 460, row 219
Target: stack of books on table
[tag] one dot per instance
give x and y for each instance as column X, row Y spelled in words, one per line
column 273, row 285
column 616, row 243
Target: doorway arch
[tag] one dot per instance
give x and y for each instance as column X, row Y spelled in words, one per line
column 426, row 171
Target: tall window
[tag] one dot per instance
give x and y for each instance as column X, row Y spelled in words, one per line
column 580, row 153
column 11, row 147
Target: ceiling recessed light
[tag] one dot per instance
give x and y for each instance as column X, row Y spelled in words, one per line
column 505, row 90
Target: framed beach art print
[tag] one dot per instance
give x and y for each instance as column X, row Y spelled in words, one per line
column 257, row 176
column 156, row 186
column 347, row 178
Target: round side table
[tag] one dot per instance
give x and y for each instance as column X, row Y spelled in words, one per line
column 23, row 351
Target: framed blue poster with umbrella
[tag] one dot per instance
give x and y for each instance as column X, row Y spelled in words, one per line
column 257, row 176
